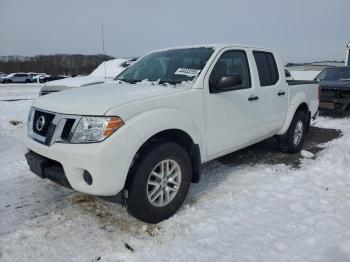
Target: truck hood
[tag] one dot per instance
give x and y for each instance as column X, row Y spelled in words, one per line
column 72, row 82
column 98, row 99
column 335, row 85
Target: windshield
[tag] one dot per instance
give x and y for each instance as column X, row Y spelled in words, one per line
column 171, row 66
column 334, row 74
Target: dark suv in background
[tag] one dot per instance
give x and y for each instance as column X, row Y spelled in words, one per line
column 335, row 89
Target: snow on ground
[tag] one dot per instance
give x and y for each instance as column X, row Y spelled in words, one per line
column 236, row 213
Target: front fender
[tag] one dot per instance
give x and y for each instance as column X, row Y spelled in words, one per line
column 151, row 122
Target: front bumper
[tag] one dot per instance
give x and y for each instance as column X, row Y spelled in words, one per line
column 107, row 162
column 336, row 104
column 47, row 168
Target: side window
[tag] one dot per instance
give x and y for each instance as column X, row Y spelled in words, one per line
column 232, row 63
column 273, row 68
column 267, row 68
column 287, row 73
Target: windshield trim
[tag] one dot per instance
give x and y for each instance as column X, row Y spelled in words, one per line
column 203, row 58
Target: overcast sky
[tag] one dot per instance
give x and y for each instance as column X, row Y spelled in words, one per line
column 301, row 30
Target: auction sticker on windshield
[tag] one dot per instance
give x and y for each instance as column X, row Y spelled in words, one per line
column 187, row 72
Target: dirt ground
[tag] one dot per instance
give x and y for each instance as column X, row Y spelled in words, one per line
column 267, row 153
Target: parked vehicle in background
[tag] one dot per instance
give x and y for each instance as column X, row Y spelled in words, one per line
column 147, row 133
column 36, row 78
column 2, row 75
column 335, row 88
column 48, row 78
column 105, row 71
column 17, row 78
column 288, row 75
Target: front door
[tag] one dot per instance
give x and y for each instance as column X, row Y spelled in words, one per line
column 232, row 116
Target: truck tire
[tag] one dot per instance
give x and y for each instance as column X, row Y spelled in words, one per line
column 159, row 183
column 292, row 142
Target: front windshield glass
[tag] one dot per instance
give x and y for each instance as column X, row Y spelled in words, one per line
column 334, row 74
column 171, row 66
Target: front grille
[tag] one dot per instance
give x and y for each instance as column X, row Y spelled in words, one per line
column 41, row 122
column 67, row 129
column 48, row 128
column 329, row 94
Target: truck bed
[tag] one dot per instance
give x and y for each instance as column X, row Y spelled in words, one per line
column 300, row 82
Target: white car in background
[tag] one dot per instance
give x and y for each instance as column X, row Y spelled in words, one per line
column 17, row 78
column 107, row 70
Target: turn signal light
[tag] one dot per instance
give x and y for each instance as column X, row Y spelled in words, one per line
column 113, row 124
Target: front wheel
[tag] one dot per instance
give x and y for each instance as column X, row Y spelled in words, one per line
column 294, row 138
column 159, row 183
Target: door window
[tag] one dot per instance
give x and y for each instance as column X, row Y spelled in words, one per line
column 267, row 68
column 231, row 63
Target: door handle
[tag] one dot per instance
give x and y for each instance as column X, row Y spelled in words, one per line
column 252, row 98
column 281, row 93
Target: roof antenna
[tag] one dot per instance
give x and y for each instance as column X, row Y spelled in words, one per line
column 103, row 49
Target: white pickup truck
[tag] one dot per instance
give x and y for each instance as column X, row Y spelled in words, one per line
column 146, row 134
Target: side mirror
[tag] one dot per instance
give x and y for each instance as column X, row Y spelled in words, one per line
column 227, row 83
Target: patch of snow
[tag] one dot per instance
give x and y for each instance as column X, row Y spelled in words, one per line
column 147, row 83
column 113, row 68
column 306, row 154
column 77, row 81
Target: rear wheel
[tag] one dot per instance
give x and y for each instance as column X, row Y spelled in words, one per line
column 293, row 140
column 159, row 183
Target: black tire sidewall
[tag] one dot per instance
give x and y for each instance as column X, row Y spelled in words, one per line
column 291, row 147
column 137, row 202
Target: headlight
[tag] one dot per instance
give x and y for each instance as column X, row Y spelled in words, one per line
column 95, row 129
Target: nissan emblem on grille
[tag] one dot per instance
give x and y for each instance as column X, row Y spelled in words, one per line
column 40, row 123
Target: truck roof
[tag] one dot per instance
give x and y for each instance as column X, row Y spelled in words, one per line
column 215, row 46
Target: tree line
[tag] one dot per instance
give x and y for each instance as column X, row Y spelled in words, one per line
column 58, row 64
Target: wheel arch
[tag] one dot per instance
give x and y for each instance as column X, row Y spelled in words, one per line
column 301, row 106
column 173, row 135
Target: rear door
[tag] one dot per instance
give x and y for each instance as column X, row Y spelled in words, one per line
column 19, row 78
column 273, row 94
column 16, row 78
column 232, row 116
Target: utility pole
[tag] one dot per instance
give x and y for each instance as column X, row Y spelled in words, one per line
column 347, row 58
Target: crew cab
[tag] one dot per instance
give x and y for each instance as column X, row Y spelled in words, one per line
column 146, row 134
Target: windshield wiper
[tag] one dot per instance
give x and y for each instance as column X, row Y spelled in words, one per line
column 129, row 81
column 171, row 82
